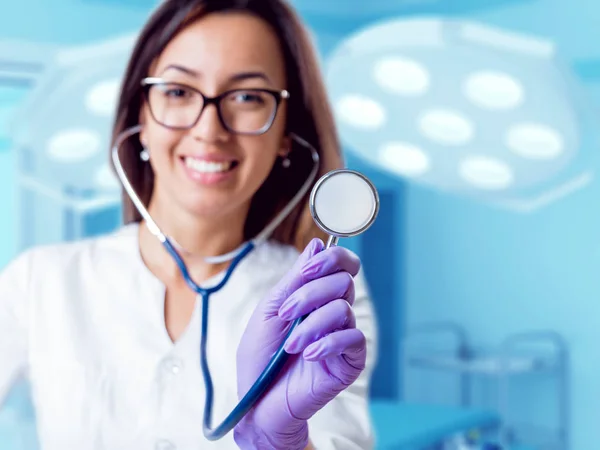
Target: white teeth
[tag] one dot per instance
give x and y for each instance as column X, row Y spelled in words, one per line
column 207, row 166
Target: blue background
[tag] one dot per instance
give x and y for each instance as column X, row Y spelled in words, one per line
column 434, row 254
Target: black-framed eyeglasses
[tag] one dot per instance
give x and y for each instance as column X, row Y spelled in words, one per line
column 241, row 111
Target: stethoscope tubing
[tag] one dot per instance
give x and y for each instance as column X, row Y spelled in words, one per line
column 278, row 360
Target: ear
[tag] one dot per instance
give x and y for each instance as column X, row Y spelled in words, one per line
column 143, row 139
column 286, row 147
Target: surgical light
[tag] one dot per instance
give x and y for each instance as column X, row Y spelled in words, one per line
column 74, row 145
column 401, row 76
column 361, row 112
column 405, row 159
column 494, row 90
column 463, row 108
column 446, row 127
column 62, row 138
column 101, row 99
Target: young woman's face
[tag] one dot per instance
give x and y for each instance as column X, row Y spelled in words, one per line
column 208, row 170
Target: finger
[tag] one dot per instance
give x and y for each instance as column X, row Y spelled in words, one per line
column 349, row 343
column 331, row 260
column 317, row 293
column 335, row 315
column 292, row 280
column 314, row 247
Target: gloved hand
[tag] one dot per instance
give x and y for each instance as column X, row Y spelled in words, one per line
column 328, row 351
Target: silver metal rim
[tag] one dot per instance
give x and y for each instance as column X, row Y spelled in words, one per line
column 315, row 216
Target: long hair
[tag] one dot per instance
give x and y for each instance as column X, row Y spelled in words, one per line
column 308, row 114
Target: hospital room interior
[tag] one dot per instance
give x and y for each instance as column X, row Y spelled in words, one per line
column 478, row 122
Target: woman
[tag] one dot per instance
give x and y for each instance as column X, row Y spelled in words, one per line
column 107, row 327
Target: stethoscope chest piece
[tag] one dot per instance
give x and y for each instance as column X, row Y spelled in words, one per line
column 344, row 203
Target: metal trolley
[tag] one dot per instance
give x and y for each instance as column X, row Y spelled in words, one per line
column 529, row 356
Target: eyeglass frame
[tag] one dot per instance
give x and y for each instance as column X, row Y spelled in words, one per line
column 279, row 95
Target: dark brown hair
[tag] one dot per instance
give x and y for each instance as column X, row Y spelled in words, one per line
column 308, row 112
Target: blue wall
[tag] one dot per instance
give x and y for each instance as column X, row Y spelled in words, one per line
column 382, row 249
column 499, row 273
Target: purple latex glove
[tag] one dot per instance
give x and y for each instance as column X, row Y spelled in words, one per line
column 328, row 351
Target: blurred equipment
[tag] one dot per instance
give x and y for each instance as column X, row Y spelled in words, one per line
column 61, row 137
column 466, row 109
column 520, row 364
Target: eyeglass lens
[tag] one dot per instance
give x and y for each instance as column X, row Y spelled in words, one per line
column 243, row 111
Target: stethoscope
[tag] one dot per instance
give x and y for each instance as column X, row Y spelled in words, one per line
column 343, row 203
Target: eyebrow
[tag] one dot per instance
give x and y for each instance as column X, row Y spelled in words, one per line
column 241, row 76
column 183, row 69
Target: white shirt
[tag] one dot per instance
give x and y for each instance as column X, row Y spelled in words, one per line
column 85, row 321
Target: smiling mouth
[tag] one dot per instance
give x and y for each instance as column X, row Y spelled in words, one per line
column 202, row 166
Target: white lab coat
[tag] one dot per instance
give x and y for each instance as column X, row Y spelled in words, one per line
column 85, row 320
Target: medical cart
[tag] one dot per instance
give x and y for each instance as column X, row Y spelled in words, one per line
column 527, row 357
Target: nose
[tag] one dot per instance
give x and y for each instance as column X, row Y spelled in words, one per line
column 209, row 128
